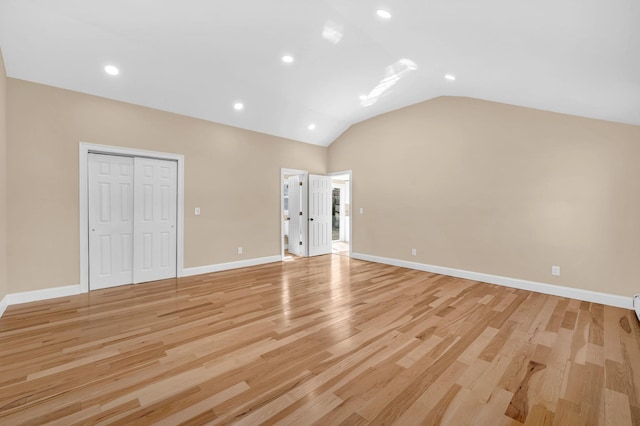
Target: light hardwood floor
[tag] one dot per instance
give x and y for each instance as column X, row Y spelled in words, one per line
column 327, row 340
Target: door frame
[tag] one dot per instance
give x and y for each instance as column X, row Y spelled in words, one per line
column 84, row 150
column 303, row 198
column 351, row 210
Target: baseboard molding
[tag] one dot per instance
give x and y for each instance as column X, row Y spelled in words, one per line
column 4, row 304
column 198, row 270
column 50, row 293
column 555, row 290
column 36, row 295
column 636, row 305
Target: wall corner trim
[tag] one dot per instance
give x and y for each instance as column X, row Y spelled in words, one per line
column 555, row 290
column 36, row 295
column 198, row 270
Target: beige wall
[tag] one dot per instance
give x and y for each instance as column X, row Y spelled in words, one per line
column 233, row 175
column 470, row 184
column 3, row 180
column 499, row 189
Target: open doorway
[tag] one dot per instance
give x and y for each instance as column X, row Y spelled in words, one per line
column 341, row 213
column 293, row 213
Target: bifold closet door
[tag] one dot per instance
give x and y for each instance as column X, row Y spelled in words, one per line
column 155, row 219
column 110, row 220
column 132, row 220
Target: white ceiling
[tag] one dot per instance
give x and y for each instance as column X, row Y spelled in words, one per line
column 199, row 57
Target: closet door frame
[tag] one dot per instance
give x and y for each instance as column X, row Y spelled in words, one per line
column 84, row 150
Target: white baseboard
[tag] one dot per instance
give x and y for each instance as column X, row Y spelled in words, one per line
column 188, row 272
column 50, row 293
column 636, row 305
column 35, row 295
column 555, row 290
column 4, row 303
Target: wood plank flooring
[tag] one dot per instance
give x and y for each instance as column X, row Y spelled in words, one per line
column 327, row 341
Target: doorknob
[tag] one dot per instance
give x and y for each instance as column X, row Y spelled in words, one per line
column 311, row 219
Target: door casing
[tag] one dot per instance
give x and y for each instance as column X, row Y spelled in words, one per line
column 84, row 150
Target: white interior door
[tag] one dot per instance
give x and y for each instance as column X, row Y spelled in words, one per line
column 155, row 208
column 110, row 220
column 295, row 246
column 319, row 215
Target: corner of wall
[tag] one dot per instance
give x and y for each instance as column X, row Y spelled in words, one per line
column 3, row 183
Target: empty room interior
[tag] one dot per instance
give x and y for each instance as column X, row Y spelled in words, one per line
column 320, row 212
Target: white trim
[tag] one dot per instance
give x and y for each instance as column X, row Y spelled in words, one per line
column 44, row 294
column 198, row 270
column 84, row 149
column 636, row 305
column 555, row 290
column 4, row 304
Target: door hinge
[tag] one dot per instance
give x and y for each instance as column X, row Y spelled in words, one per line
column 300, row 242
column 300, row 213
column 300, row 183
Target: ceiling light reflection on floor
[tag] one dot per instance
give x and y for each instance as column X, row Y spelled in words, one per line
column 392, row 74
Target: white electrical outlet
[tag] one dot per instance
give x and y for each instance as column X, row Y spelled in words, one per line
column 197, row 211
column 555, row 270
column 414, row 252
column 239, row 250
column 361, row 210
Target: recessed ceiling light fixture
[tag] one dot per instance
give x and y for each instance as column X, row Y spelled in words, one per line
column 287, row 59
column 450, row 77
column 312, row 126
column 111, row 70
column 384, row 14
column 238, row 106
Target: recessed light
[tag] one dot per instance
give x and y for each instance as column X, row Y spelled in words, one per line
column 287, row 59
column 450, row 77
column 384, row 14
column 111, row 70
column 312, row 126
column 238, row 106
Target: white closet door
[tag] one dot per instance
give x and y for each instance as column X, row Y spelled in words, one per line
column 319, row 215
column 110, row 220
column 155, row 194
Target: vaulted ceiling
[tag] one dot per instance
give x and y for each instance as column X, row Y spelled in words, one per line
column 201, row 57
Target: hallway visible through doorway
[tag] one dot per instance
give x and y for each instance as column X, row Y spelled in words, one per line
column 341, row 217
